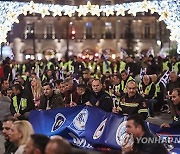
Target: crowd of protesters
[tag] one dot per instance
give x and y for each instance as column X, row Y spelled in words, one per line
column 130, row 86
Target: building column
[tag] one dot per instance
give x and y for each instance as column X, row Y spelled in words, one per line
column 17, row 46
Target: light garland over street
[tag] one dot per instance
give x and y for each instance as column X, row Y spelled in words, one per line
column 169, row 11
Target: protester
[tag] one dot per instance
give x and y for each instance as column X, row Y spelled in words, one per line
column 175, row 97
column 58, row 145
column 50, row 100
column 36, row 144
column 135, row 126
column 7, row 69
column 117, row 91
column 36, row 89
column 147, row 90
column 84, row 94
column 174, row 82
column 132, row 102
column 100, row 98
column 125, row 78
column 21, row 103
column 20, row 133
column 4, row 107
column 9, row 92
column 4, row 86
column 71, row 91
column 9, row 146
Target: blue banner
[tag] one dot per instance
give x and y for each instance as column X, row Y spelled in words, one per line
column 90, row 127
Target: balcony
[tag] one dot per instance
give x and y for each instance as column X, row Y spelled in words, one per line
column 137, row 36
column 90, row 36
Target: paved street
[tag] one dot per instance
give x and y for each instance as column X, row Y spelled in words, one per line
column 161, row 118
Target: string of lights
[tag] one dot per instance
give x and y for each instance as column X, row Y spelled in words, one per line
column 168, row 11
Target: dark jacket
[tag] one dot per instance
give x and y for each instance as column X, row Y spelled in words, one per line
column 72, row 92
column 30, row 103
column 105, row 101
column 4, row 107
column 148, row 148
column 151, row 93
column 134, row 105
column 7, row 70
column 55, row 101
column 171, row 85
column 10, row 147
column 176, row 120
column 82, row 99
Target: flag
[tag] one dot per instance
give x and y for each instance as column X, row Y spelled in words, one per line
column 142, row 72
column 128, row 70
column 165, row 78
column 124, row 53
column 150, row 52
column 106, row 61
column 59, row 74
column 90, row 127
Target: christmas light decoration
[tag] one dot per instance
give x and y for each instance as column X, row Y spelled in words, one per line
column 168, row 10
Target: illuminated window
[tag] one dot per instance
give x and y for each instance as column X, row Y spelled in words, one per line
column 108, row 30
column 147, row 30
column 49, row 31
column 49, row 28
column 69, row 2
column 108, row 2
column 50, row 1
column 29, row 28
column 88, row 30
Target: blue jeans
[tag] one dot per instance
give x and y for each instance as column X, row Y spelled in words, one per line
column 151, row 103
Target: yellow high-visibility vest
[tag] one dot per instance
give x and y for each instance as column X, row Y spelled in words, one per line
column 23, row 104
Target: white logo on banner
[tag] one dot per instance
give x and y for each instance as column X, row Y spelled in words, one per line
column 80, row 120
column 99, row 130
column 58, row 122
column 80, row 142
column 122, row 138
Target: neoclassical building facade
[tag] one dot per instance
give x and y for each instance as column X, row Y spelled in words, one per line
column 37, row 37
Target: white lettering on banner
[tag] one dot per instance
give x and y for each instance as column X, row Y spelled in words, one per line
column 58, row 122
column 122, row 138
column 80, row 120
column 80, row 142
column 99, row 130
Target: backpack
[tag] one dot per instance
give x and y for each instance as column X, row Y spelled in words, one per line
column 1, row 72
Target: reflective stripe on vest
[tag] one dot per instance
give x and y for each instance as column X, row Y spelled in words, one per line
column 176, row 69
column 146, row 91
column 142, row 110
column 124, row 86
column 92, row 66
column 157, row 89
column 49, row 64
column 129, row 104
column 117, row 88
column 70, row 67
column 24, row 77
column 105, row 69
column 165, row 66
column 148, row 88
column 122, row 66
column 23, row 68
column 23, row 104
column 44, row 78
